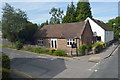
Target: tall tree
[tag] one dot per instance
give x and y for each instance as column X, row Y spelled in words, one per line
column 14, row 21
column 115, row 24
column 56, row 16
column 44, row 23
column 70, row 14
column 83, row 11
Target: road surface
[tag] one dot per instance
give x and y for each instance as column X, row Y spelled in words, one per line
column 108, row 68
column 40, row 66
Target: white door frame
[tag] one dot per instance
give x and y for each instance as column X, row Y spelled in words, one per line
column 53, row 39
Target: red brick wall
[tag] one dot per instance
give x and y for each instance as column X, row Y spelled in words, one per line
column 62, row 44
column 87, row 37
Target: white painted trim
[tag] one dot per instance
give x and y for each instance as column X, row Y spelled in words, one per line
column 54, row 39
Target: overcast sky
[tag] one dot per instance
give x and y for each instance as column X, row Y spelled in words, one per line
column 38, row 11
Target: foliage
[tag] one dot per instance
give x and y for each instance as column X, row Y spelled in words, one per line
column 18, row 45
column 83, row 11
column 9, row 46
column 5, row 66
column 60, row 53
column 98, row 46
column 15, row 25
column 28, row 31
column 82, row 49
column 115, row 24
column 36, row 49
column 45, row 23
column 27, row 47
column 56, row 16
column 70, row 14
column 52, row 50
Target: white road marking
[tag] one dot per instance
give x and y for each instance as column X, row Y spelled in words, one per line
column 96, row 70
column 90, row 69
column 52, row 59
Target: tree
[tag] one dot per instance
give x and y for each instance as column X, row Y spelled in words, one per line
column 56, row 16
column 27, row 33
column 14, row 22
column 115, row 24
column 70, row 14
column 44, row 23
column 11, row 21
column 83, row 11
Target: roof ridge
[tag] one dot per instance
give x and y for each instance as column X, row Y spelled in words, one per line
column 102, row 25
column 66, row 23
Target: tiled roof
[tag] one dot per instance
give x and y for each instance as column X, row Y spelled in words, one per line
column 103, row 25
column 65, row 30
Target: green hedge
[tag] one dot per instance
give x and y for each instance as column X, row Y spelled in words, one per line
column 60, row 53
column 82, row 49
column 5, row 66
column 18, row 45
column 98, row 46
column 36, row 49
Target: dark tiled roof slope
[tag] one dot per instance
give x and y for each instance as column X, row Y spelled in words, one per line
column 103, row 25
column 65, row 30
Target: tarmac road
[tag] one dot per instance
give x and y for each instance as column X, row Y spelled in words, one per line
column 34, row 65
column 108, row 68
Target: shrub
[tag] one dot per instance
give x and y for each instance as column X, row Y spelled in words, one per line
column 60, row 53
column 98, row 46
column 18, row 45
column 5, row 61
column 5, row 66
column 9, row 46
column 82, row 49
column 27, row 47
column 42, row 50
column 39, row 50
column 52, row 50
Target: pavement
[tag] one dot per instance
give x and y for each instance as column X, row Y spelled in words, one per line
column 100, row 56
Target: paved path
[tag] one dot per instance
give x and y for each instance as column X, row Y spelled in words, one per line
column 96, row 57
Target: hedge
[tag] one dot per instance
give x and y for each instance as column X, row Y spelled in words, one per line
column 98, row 46
column 5, row 67
column 60, row 53
column 82, row 49
column 18, row 45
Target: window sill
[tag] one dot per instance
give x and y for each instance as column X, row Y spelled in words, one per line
column 68, row 45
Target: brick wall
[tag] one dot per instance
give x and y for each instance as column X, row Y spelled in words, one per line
column 87, row 37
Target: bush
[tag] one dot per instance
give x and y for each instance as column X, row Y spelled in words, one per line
column 5, row 61
column 82, row 49
column 52, row 50
column 5, row 66
column 98, row 46
column 38, row 50
column 18, row 45
column 27, row 47
column 9, row 46
column 60, row 53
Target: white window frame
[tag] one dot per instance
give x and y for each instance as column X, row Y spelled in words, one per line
column 70, row 41
column 40, row 42
column 54, row 39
